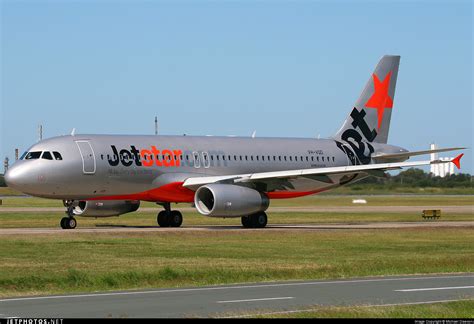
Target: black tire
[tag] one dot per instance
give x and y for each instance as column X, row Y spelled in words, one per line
column 63, row 222
column 163, row 219
column 175, row 219
column 71, row 223
column 246, row 222
column 259, row 220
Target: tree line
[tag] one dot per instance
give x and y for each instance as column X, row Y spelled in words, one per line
column 418, row 178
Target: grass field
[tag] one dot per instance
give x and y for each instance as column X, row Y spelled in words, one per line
column 44, row 264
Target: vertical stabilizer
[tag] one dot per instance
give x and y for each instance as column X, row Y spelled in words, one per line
column 369, row 120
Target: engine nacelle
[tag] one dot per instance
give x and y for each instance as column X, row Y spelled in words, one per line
column 226, row 200
column 105, row 208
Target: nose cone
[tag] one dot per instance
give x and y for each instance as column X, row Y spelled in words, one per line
column 16, row 177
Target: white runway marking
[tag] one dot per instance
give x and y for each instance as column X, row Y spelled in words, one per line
column 438, row 288
column 251, row 300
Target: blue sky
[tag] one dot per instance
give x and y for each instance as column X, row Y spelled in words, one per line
column 231, row 67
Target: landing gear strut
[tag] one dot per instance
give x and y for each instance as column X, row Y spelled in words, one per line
column 168, row 217
column 257, row 220
column 68, row 222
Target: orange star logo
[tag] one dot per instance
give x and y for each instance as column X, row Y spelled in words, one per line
column 380, row 99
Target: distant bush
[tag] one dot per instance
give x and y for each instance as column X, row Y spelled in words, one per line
column 2, row 181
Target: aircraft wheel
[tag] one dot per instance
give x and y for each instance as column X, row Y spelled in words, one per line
column 63, row 222
column 163, row 219
column 68, row 223
column 71, row 223
column 259, row 220
column 246, row 222
column 175, row 219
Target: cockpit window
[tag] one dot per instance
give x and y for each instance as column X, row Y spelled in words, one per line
column 23, row 155
column 57, row 156
column 47, row 155
column 33, row 155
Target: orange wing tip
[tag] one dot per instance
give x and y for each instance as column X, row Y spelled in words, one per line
column 457, row 160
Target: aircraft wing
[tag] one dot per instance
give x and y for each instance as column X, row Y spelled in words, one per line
column 195, row 182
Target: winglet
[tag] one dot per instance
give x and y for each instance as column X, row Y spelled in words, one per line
column 457, row 160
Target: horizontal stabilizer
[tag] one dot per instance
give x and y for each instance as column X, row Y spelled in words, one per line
column 406, row 155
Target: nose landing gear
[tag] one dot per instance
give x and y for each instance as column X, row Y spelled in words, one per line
column 68, row 222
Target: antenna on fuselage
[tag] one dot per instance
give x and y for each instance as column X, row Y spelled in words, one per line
column 40, row 132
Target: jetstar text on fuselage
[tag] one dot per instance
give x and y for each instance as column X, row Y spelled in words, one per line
column 145, row 157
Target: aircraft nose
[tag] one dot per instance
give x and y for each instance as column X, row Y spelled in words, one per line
column 16, row 177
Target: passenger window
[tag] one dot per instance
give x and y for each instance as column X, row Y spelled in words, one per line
column 57, row 156
column 47, row 155
column 33, row 155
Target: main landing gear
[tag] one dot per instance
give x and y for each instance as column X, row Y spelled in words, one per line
column 257, row 220
column 168, row 217
column 68, row 222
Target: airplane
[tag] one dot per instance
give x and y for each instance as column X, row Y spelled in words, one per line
column 108, row 175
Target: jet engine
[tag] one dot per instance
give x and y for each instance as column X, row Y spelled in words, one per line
column 106, row 208
column 226, row 200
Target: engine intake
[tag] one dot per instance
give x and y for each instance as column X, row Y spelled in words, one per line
column 225, row 200
column 106, row 208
